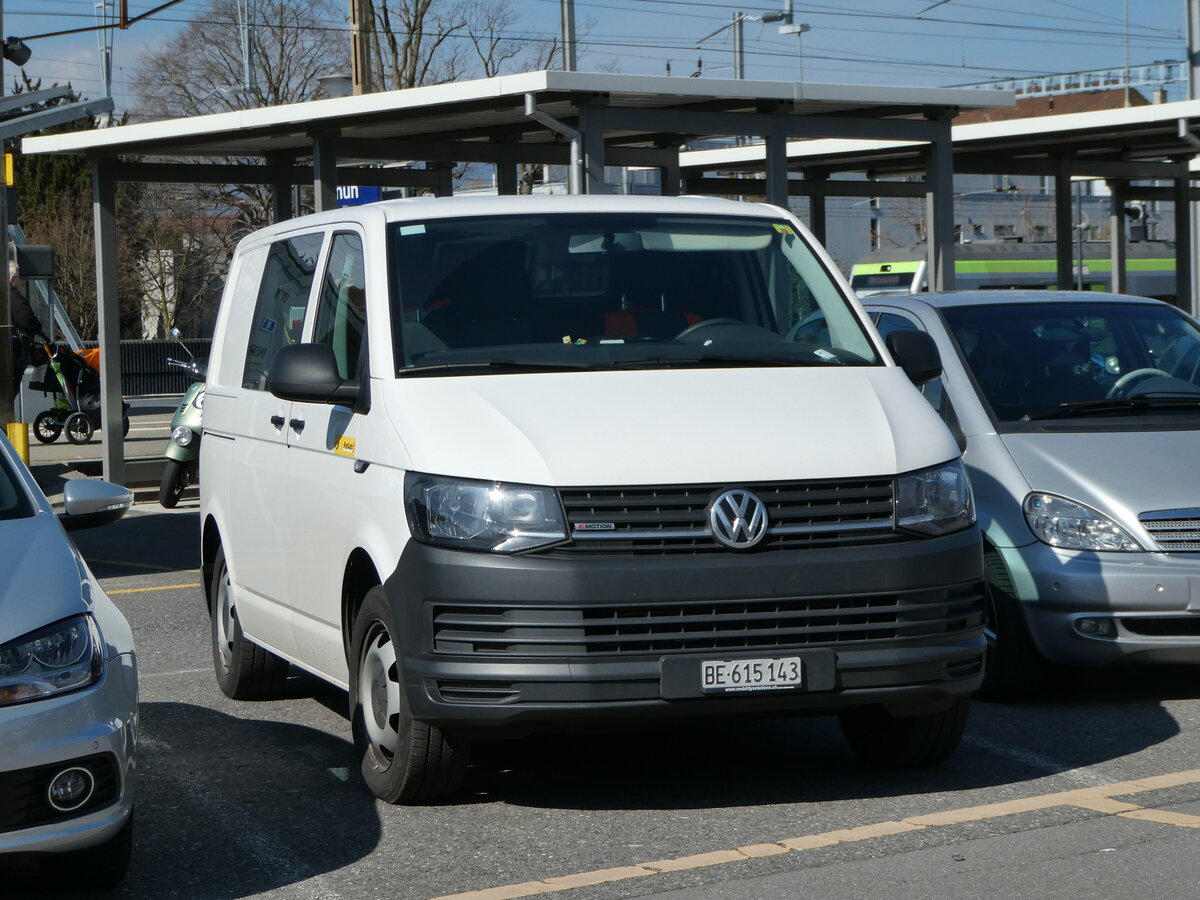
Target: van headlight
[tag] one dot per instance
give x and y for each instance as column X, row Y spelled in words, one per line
column 61, row 657
column 482, row 515
column 935, row 501
column 1072, row 526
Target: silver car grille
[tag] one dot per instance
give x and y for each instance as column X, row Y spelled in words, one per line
column 1174, row 530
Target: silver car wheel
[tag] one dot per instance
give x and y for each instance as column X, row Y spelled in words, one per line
column 379, row 694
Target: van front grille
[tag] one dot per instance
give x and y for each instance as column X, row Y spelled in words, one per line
column 1174, row 530
column 674, row 518
column 685, row 627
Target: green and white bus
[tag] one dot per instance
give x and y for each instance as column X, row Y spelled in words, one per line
column 999, row 265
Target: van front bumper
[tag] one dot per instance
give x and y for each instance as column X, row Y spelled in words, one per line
column 1147, row 605
column 522, row 642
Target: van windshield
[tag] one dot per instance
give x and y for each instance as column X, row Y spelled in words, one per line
column 607, row 291
column 1046, row 363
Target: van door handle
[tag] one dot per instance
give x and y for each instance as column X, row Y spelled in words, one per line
column 297, row 425
column 277, row 421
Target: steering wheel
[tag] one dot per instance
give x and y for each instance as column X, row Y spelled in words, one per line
column 706, row 323
column 1118, row 388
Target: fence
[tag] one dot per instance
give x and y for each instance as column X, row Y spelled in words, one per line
column 144, row 368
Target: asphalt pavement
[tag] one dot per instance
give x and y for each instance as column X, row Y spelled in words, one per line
column 1092, row 791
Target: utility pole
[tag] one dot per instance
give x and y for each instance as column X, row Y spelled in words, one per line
column 246, row 16
column 7, row 387
column 362, row 25
column 739, row 47
column 567, row 10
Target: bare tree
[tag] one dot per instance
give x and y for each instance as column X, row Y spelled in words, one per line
column 199, row 69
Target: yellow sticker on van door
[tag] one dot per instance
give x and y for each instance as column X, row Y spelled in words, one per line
column 344, row 446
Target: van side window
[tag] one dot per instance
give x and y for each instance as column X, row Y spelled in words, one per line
column 342, row 310
column 282, row 301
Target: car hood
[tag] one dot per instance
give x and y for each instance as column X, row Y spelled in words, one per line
column 1120, row 474
column 668, row 426
column 42, row 578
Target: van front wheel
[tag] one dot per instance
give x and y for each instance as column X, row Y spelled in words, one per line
column 904, row 742
column 403, row 760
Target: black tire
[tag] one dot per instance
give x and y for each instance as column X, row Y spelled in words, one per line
column 47, row 427
column 905, row 742
column 94, row 868
column 175, row 480
column 79, row 428
column 1013, row 668
column 244, row 670
column 124, row 426
column 402, row 760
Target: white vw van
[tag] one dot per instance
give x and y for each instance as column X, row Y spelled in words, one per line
column 498, row 465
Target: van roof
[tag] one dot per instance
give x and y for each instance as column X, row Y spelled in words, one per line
column 423, row 208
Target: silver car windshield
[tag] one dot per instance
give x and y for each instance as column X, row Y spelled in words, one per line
column 1060, row 361
column 14, row 504
column 606, row 291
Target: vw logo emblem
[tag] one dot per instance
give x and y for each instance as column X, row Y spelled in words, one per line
column 738, row 519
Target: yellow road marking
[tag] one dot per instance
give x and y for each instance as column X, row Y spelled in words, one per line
column 1098, row 799
column 165, row 587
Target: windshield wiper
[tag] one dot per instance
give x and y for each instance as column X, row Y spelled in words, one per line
column 493, row 365
column 1137, row 404
column 717, row 360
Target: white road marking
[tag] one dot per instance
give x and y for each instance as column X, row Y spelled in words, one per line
column 1087, row 775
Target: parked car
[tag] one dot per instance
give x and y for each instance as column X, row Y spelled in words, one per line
column 1079, row 413
column 505, row 464
column 68, row 686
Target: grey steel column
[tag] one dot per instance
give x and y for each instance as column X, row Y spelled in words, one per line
column 1116, row 237
column 282, row 201
column 777, row 168
column 324, row 171
column 939, row 210
column 591, row 136
column 1064, row 229
column 1184, row 298
column 104, row 213
column 669, row 177
column 817, row 212
column 567, row 24
column 506, row 174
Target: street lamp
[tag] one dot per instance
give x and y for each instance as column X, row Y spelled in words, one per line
column 784, row 17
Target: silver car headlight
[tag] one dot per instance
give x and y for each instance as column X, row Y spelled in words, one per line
column 482, row 515
column 1063, row 523
column 935, row 501
column 62, row 657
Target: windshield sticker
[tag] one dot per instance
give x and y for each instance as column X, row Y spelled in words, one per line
column 268, row 325
column 784, row 229
column 406, row 230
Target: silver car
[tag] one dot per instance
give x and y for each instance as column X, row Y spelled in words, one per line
column 68, row 685
column 1079, row 413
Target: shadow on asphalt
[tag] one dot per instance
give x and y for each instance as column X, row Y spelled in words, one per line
column 229, row 820
column 1086, row 719
column 141, row 543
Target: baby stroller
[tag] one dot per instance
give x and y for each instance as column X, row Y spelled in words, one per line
column 76, row 386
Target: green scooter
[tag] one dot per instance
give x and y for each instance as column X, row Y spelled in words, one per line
column 183, row 446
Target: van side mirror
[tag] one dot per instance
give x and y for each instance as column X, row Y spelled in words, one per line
column 916, row 354
column 308, row 373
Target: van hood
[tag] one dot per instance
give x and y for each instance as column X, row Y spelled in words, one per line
column 682, row 426
column 42, row 579
column 1120, row 474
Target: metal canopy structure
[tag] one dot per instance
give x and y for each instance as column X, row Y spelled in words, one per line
column 582, row 120
column 1121, row 146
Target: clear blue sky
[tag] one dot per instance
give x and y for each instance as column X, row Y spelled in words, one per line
column 863, row 41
